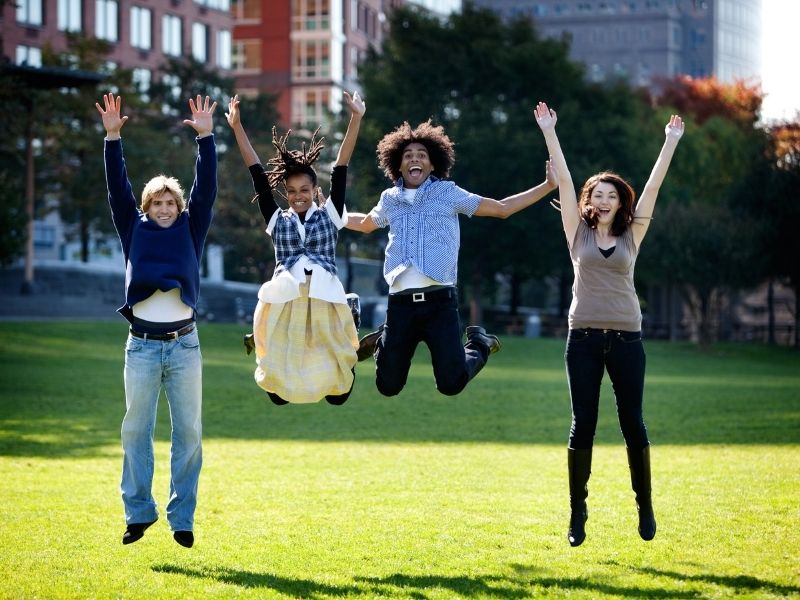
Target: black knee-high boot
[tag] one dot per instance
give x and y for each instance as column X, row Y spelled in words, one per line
column 579, row 463
column 639, row 463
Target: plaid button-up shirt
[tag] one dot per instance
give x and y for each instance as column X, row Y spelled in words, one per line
column 319, row 244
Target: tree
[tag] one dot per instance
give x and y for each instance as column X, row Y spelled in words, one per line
column 702, row 236
column 780, row 210
column 72, row 171
column 12, row 169
column 239, row 226
column 495, row 73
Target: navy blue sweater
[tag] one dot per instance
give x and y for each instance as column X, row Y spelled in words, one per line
column 161, row 258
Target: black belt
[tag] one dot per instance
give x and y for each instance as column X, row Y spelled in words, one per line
column 423, row 297
column 162, row 337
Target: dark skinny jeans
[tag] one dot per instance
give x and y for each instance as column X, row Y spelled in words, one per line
column 589, row 353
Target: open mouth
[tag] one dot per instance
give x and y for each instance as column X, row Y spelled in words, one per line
column 415, row 171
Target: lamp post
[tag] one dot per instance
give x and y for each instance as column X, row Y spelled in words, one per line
column 43, row 78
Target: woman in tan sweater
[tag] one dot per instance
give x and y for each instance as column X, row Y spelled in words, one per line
column 604, row 230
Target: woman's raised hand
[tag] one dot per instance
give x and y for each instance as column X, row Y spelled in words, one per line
column 355, row 103
column 674, row 128
column 233, row 115
column 545, row 117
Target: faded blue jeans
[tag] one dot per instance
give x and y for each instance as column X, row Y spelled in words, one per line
column 591, row 352
column 177, row 365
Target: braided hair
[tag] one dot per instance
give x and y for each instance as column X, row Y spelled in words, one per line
column 293, row 162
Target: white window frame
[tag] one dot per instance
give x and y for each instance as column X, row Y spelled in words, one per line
column 29, row 12
column 141, row 28
column 29, row 56
column 171, row 35
column 106, row 20
column 69, row 15
column 224, row 41
column 200, row 41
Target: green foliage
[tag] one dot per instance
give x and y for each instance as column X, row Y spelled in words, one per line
column 420, row 496
column 12, row 169
column 496, row 71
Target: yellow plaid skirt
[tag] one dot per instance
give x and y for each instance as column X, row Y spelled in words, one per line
column 305, row 349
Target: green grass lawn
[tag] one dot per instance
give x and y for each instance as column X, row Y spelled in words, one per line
column 418, row 496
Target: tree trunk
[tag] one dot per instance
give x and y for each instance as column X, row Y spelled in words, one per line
column 705, row 318
column 770, row 312
column 84, row 233
column 516, row 293
column 796, row 314
column 475, row 307
column 672, row 333
column 563, row 297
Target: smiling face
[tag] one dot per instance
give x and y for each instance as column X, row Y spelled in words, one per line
column 605, row 201
column 163, row 209
column 300, row 192
column 415, row 166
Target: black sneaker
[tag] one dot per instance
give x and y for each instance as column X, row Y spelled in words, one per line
column 184, row 538
column 354, row 302
column 478, row 335
column 135, row 531
column 249, row 343
column 366, row 345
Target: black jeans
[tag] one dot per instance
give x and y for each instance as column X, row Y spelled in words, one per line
column 436, row 323
column 589, row 353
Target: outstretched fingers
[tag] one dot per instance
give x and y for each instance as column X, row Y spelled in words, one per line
column 545, row 116
column 675, row 126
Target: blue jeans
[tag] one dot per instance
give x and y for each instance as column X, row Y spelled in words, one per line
column 589, row 353
column 436, row 323
column 177, row 365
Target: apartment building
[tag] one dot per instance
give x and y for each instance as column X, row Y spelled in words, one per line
column 308, row 51
column 645, row 40
column 143, row 33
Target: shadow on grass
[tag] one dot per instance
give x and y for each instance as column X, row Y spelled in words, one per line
column 417, row 586
column 739, row 584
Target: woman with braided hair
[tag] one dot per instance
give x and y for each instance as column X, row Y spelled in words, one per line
column 303, row 330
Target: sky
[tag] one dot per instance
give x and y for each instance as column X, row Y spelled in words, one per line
column 780, row 58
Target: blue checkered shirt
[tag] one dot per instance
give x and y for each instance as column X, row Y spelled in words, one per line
column 425, row 232
column 319, row 246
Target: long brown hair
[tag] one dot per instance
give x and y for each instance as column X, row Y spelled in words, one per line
column 624, row 216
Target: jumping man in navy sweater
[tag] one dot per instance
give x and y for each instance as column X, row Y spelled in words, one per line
column 162, row 242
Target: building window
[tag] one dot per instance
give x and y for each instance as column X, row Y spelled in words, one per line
column 106, row 19
column 216, row 4
column 29, row 56
column 310, row 107
column 142, row 79
column 310, row 15
column 141, row 28
column 224, row 49
column 354, row 61
column 44, row 235
column 29, row 12
column 173, row 85
column 200, row 42
column 69, row 15
column 596, row 73
column 246, row 56
column 247, row 10
column 311, row 59
column 171, row 38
